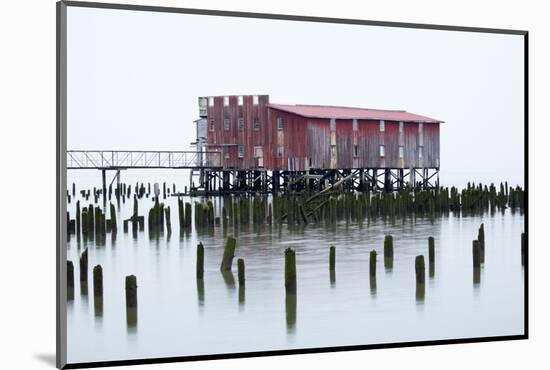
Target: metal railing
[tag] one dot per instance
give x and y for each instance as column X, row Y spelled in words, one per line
column 100, row 159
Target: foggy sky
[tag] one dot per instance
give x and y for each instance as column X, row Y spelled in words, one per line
column 134, row 78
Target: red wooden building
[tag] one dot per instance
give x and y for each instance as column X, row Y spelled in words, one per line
column 253, row 134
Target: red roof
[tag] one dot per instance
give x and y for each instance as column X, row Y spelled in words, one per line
column 323, row 111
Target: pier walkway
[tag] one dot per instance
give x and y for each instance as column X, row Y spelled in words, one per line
column 126, row 159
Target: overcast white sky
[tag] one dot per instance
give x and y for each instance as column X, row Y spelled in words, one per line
column 134, row 78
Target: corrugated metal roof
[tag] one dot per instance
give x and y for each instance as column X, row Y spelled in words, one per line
column 324, row 111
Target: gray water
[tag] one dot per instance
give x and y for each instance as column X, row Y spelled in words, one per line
column 177, row 318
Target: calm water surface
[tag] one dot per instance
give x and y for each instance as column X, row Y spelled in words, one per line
column 178, row 317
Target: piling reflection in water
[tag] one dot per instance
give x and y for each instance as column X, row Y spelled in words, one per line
column 477, row 276
column 131, row 319
column 84, row 288
column 290, row 309
column 228, row 279
column 420, row 271
column 98, row 306
column 420, row 292
column 241, row 296
column 200, row 291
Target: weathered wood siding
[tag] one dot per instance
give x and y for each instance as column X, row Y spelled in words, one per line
column 248, row 136
column 318, row 141
column 431, row 144
column 311, row 143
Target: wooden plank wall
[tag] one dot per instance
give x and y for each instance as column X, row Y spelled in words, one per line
column 307, row 141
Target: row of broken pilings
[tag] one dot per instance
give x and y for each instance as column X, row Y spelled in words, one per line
column 238, row 211
column 358, row 207
column 158, row 216
column 353, row 206
column 91, row 223
column 97, row 278
column 121, row 191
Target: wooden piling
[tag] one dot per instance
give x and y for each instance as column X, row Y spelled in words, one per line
column 70, row 280
column 168, row 220
column 332, row 258
column 84, row 266
column 476, row 254
column 113, row 218
column 431, row 255
column 131, row 291
column 98, row 290
column 372, row 272
column 372, row 263
column 188, row 218
column 290, row 271
column 419, row 268
column 181, row 214
column 200, row 261
column 77, row 218
column 240, row 271
column 84, row 272
column 98, row 281
column 481, row 238
column 388, row 252
column 228, row 254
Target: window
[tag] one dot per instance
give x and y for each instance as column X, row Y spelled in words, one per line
column 240, row 100
column 332, row 124
column 240, row 151
column 279, row 123
column 401, row 127
column 210, row 101
column 255, row 100
column 212, row 126
column 420, row 151
column 382, row 151
column 241, row 124
column 356, row 150
column 256, row 124
column 280, row 151
column 226, row 101
column 226, row 124
column 420, row 134
column 354, row 125
column 226, row 152
column 382, row 126
column 401, row 152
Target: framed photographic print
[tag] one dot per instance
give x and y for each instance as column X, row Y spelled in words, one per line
column 239, row 184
